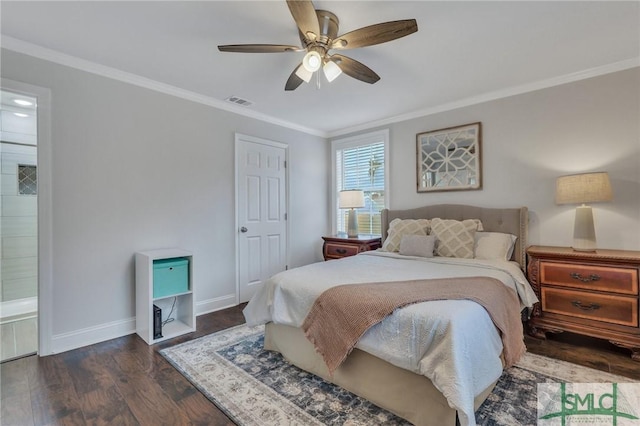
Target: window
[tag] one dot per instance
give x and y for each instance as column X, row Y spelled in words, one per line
column 27, row 180
column 360, row 162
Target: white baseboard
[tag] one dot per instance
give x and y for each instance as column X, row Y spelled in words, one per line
column 99, row 333
column 91, row 335
column 215, row 304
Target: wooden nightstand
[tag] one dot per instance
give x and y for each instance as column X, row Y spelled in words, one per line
column 590, row 293
column 341, row 246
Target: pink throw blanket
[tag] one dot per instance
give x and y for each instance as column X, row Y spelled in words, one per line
column 342, row 314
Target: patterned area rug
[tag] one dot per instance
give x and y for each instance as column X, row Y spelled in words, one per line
column 257, row 387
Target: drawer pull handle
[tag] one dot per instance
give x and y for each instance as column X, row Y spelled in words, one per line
column 589, row 307
column 341, row 251
column 590, row 278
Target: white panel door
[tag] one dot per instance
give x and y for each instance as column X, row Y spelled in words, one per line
column 261, row 214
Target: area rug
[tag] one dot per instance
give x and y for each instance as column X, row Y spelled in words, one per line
column 255, row 387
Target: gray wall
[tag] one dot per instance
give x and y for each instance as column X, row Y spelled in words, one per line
column 531, row 139
column 134, row 170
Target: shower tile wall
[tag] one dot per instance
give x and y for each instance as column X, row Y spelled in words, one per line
column 18, row 211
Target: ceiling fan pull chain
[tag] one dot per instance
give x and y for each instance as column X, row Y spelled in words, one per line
column 318, row 80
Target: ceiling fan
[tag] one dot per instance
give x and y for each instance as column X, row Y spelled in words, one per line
column 318, row 31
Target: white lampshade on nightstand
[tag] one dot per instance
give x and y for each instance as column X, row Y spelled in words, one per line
column 351, row 199
column 581, row 189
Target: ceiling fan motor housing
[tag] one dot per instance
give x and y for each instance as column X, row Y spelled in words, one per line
column 328, row 27
column 328, row 24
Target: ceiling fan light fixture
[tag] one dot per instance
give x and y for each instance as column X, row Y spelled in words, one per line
column 331, row 71
column 312, row 61
column 304, row 73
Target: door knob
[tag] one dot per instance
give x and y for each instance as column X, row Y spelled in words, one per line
column 243, row 229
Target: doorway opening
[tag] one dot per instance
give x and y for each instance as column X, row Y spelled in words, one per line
column 19, row 225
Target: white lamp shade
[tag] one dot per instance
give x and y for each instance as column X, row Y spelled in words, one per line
column 312, row 61
column 331, row 71
column 351, row 199
column 304, row 73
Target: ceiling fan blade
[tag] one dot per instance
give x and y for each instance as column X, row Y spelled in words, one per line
column 259, row 48
column 375, row 34
column 355, row 69
column 294, row 81
column 305, row 16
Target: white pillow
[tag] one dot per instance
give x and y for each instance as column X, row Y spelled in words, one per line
column 494, row 245
column 455, row 237
column 417, row 245
column 400, row 227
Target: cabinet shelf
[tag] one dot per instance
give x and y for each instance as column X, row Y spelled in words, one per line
column 184, row 309
column 174, row 329
column 171, row 296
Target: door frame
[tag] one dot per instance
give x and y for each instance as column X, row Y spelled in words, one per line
column 45, row 209
column 239, row 139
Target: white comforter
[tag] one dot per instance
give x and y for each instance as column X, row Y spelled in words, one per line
column 452, row 342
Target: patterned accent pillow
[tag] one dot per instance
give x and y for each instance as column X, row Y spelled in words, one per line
column 400, row 227
column 455, row 238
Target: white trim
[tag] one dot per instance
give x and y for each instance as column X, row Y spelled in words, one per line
column 91, row 335
column 18, row 310
column 45, row 216
column 239, row 138
column 40, row 52
column 349, row 142
column 112, row 330
column 216, row 304
column 498, row 94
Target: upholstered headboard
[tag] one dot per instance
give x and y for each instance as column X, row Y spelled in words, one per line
column 510, row 221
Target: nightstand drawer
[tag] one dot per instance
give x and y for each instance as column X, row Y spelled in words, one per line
column 590, row 277
column 600, row 307
column 341, row 250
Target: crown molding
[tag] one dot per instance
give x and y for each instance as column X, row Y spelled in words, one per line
column 498, row 94
column 51, row 55
column 57, row 57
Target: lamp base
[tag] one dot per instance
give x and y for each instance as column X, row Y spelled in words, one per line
column 352, row 227
column 584, row 233
column 592, row 250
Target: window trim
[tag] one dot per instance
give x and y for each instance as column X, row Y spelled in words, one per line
column 351, row 142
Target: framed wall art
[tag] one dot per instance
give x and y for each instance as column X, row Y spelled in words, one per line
column 449, row 159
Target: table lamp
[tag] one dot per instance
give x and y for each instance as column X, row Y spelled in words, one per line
column 581, row 189
column 351, row 199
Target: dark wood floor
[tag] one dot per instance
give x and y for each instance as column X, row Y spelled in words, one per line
column 126, row 382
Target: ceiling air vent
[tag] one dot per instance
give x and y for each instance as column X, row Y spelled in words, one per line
column 239, row 101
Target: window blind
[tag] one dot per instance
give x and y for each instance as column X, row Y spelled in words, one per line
column 362, row 167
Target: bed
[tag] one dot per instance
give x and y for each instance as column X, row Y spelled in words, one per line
column 433, row 362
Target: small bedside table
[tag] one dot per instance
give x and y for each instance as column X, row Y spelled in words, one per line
column 590, row 293
column 336, row 247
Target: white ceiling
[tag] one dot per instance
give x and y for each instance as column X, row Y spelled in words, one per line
column 461, row 52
